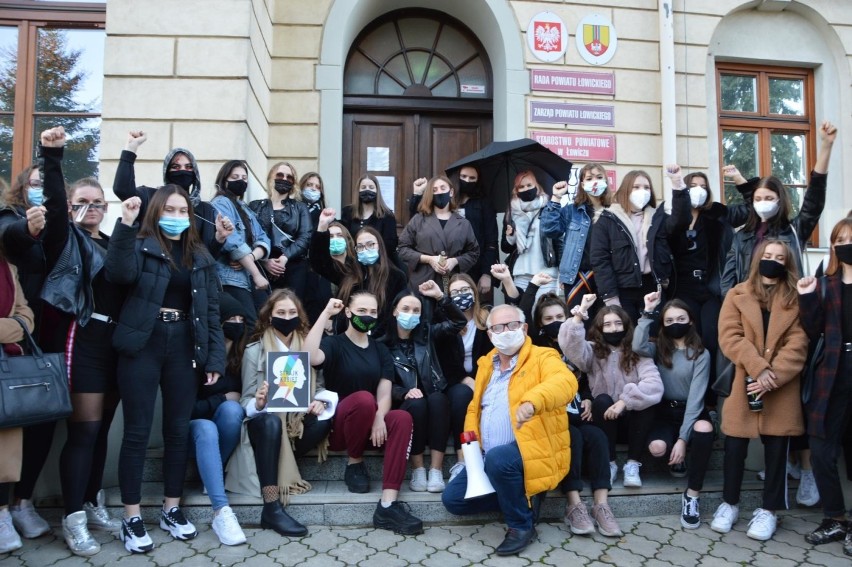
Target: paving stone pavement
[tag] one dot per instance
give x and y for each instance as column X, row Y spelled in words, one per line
column 648, row 542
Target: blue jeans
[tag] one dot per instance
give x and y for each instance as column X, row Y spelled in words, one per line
column 505, row 469
column 214, row 440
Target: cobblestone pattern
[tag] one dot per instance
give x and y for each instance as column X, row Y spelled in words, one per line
column 656, row 541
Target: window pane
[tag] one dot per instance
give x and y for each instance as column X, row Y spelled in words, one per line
column 82, row 148
column 796, row 193
column 786, row 96
column 8, row 66
column 739, row 149
column 418, row 32
column 70, row 72
column 788, row 157
column 359, row 75
column 6, row 131
column 739, row 93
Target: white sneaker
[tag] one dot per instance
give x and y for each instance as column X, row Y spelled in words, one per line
column 631, row 475
column 98, row 517
column 135, row 536
column 762, row 525
column 794, row 471
column 455, row 470
column 725, row 518
column 613, row 472
column 176, row 524
column 807, row 494
column 436, row 481
column 27, row 520
column 227, row 527
column 9, row 538
column 77, row 535
column 418, row 481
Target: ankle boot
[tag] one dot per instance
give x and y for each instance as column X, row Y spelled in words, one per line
column 274, row 517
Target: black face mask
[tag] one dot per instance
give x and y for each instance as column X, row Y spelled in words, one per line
column 614, row 338
column 283, row 186
column 233, row 331
column 238, row 187
column 367, row 196
column 552, row 329
column 181, row 177
column 528, row 195
column 843, row 253
column 364, row 323
column 677, row 330
column 441, row 200
column 285, row 326
column 771, row 269
column 468, row 187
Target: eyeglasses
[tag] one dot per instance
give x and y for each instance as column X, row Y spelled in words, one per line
column 96, row 206
column 288, row 177
column 34, row 183
column 366, row 246
column 460, row 291
column 691, row 238
column 510, row 326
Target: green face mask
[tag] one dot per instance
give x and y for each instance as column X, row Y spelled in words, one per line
column 336, row 246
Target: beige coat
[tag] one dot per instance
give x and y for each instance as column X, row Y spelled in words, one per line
column 783, row 350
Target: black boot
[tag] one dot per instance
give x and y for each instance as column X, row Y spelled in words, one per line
column 274, row 517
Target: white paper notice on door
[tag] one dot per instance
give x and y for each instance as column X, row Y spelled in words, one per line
column 387, row 185
column 378, row 159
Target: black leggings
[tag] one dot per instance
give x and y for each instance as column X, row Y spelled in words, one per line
column 431, row 417
column 666, row 428
column 705, row 308
column 635, row 423
column 588, row 446
column 165, row 361
column 460, row 396
column 775, row 463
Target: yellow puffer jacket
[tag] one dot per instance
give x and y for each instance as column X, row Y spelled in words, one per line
column 541, row 378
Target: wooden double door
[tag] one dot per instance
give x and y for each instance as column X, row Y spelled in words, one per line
column 400, row 147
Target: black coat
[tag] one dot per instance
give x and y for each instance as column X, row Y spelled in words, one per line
column 427, row 374
column 614, row 256
column 451, row 354
column 293, row 219
column 794, row 233
column 142, row 264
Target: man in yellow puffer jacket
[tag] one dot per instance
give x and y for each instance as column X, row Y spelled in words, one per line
column 518, row 414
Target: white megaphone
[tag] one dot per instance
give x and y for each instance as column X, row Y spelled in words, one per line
column 477, row 481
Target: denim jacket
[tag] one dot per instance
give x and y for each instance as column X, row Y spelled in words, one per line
column 572, row 224
column 235, row 246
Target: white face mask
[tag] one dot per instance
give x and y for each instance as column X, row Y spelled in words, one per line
column 595, row 188
column 508, row 342
column 697, row 196
column 766, row 209
column 639, row 198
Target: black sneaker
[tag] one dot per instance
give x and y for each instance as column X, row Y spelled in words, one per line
column 398, row 518
column 690, row 518
column 135, row 536
column 678, row 470
column 356, row 478
column 176, row 524
column 829, row 530
column 847, row 543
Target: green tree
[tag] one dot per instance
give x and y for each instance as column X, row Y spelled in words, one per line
column 59, row 81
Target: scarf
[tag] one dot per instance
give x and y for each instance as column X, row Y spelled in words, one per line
column 524, row 215
column 289, row 479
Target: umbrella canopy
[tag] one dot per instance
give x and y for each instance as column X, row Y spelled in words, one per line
column 499, row 162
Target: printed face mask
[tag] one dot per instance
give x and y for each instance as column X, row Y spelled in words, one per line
column 595, row 188
column 283, row 186
column 463, row 301
column 364, row 323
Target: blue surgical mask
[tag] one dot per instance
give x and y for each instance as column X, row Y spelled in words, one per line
column 408, row 320
column 312, row 195
column 35, row 195
column 173, row 226
column 336, row 245
column 368, row 257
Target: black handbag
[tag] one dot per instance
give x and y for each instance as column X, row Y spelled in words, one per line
column 33, row 387
column 724, row 375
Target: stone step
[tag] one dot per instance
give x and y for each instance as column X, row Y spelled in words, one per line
column 330, row 503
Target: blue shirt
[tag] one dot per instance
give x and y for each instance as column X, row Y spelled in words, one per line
column 496, row 426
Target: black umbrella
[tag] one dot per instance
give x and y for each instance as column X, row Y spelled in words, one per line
column 499, row 162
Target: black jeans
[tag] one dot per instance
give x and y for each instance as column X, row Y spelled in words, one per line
column 166, row 360
column 313, row 431
column 588, row 445
column 775, row 463
column 632, row 299
column 824, row 451
column 635, row 424
column 431, row 417
column 705, row 307
column 460, row 396
column 666, row 427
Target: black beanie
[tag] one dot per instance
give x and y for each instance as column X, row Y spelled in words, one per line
column 228, row 307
